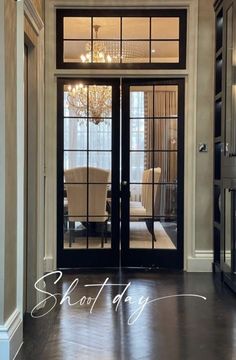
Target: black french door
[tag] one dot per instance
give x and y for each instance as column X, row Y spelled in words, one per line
column 152, row 173
column 88, row 158
column 142, row 195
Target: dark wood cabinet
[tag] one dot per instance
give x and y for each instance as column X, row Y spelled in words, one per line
column 224, row 193
column 228, row 243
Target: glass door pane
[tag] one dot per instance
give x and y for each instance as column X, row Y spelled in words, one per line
column 153, row 170
column 87, row 166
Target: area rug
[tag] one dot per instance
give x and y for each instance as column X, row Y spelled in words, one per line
column 140, row 238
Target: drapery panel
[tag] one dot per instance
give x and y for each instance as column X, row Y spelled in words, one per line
column 161, row 134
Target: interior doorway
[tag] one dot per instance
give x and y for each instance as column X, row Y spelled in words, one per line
column 142, row 194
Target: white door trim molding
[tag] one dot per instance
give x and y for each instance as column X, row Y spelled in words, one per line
column 190, row 75
column 11, row 336
column 27, row 9
column 33, row 16
column 2, row 159
column 36, row 245
column 201, row 261
column 20, row 155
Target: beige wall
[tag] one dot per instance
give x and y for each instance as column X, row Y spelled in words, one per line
column 204, row 131
column 8, row 119
column 8, row 158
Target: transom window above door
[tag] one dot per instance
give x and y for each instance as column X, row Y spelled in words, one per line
column 121, row 39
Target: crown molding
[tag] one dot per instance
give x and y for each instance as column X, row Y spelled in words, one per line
column 122, row 3
column 33, row 16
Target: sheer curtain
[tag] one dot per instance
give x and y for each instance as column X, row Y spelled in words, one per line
column 164, row 138
column 136, row 142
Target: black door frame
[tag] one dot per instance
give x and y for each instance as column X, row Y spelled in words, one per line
column 151, row 257
column 162, row 258
column 89, row 257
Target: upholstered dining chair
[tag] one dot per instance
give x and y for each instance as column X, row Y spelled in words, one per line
column 142, row 210
column 86, row 206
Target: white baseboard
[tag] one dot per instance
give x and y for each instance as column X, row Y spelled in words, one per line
column 200, row 262
column 11, row 336
column 48, row 264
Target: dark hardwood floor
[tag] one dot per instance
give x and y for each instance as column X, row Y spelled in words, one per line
column 178, row 328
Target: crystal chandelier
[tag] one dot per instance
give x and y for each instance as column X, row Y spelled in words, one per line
column 99, row 53
column 92, row 101
column 110, row 52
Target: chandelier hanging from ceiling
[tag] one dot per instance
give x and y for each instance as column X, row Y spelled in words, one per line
column 92, row 102
column 99, row 53
column 110, row 51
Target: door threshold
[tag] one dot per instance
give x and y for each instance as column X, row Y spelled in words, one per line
column 117, row 269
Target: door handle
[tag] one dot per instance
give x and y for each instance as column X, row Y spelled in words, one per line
column 124, row 183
